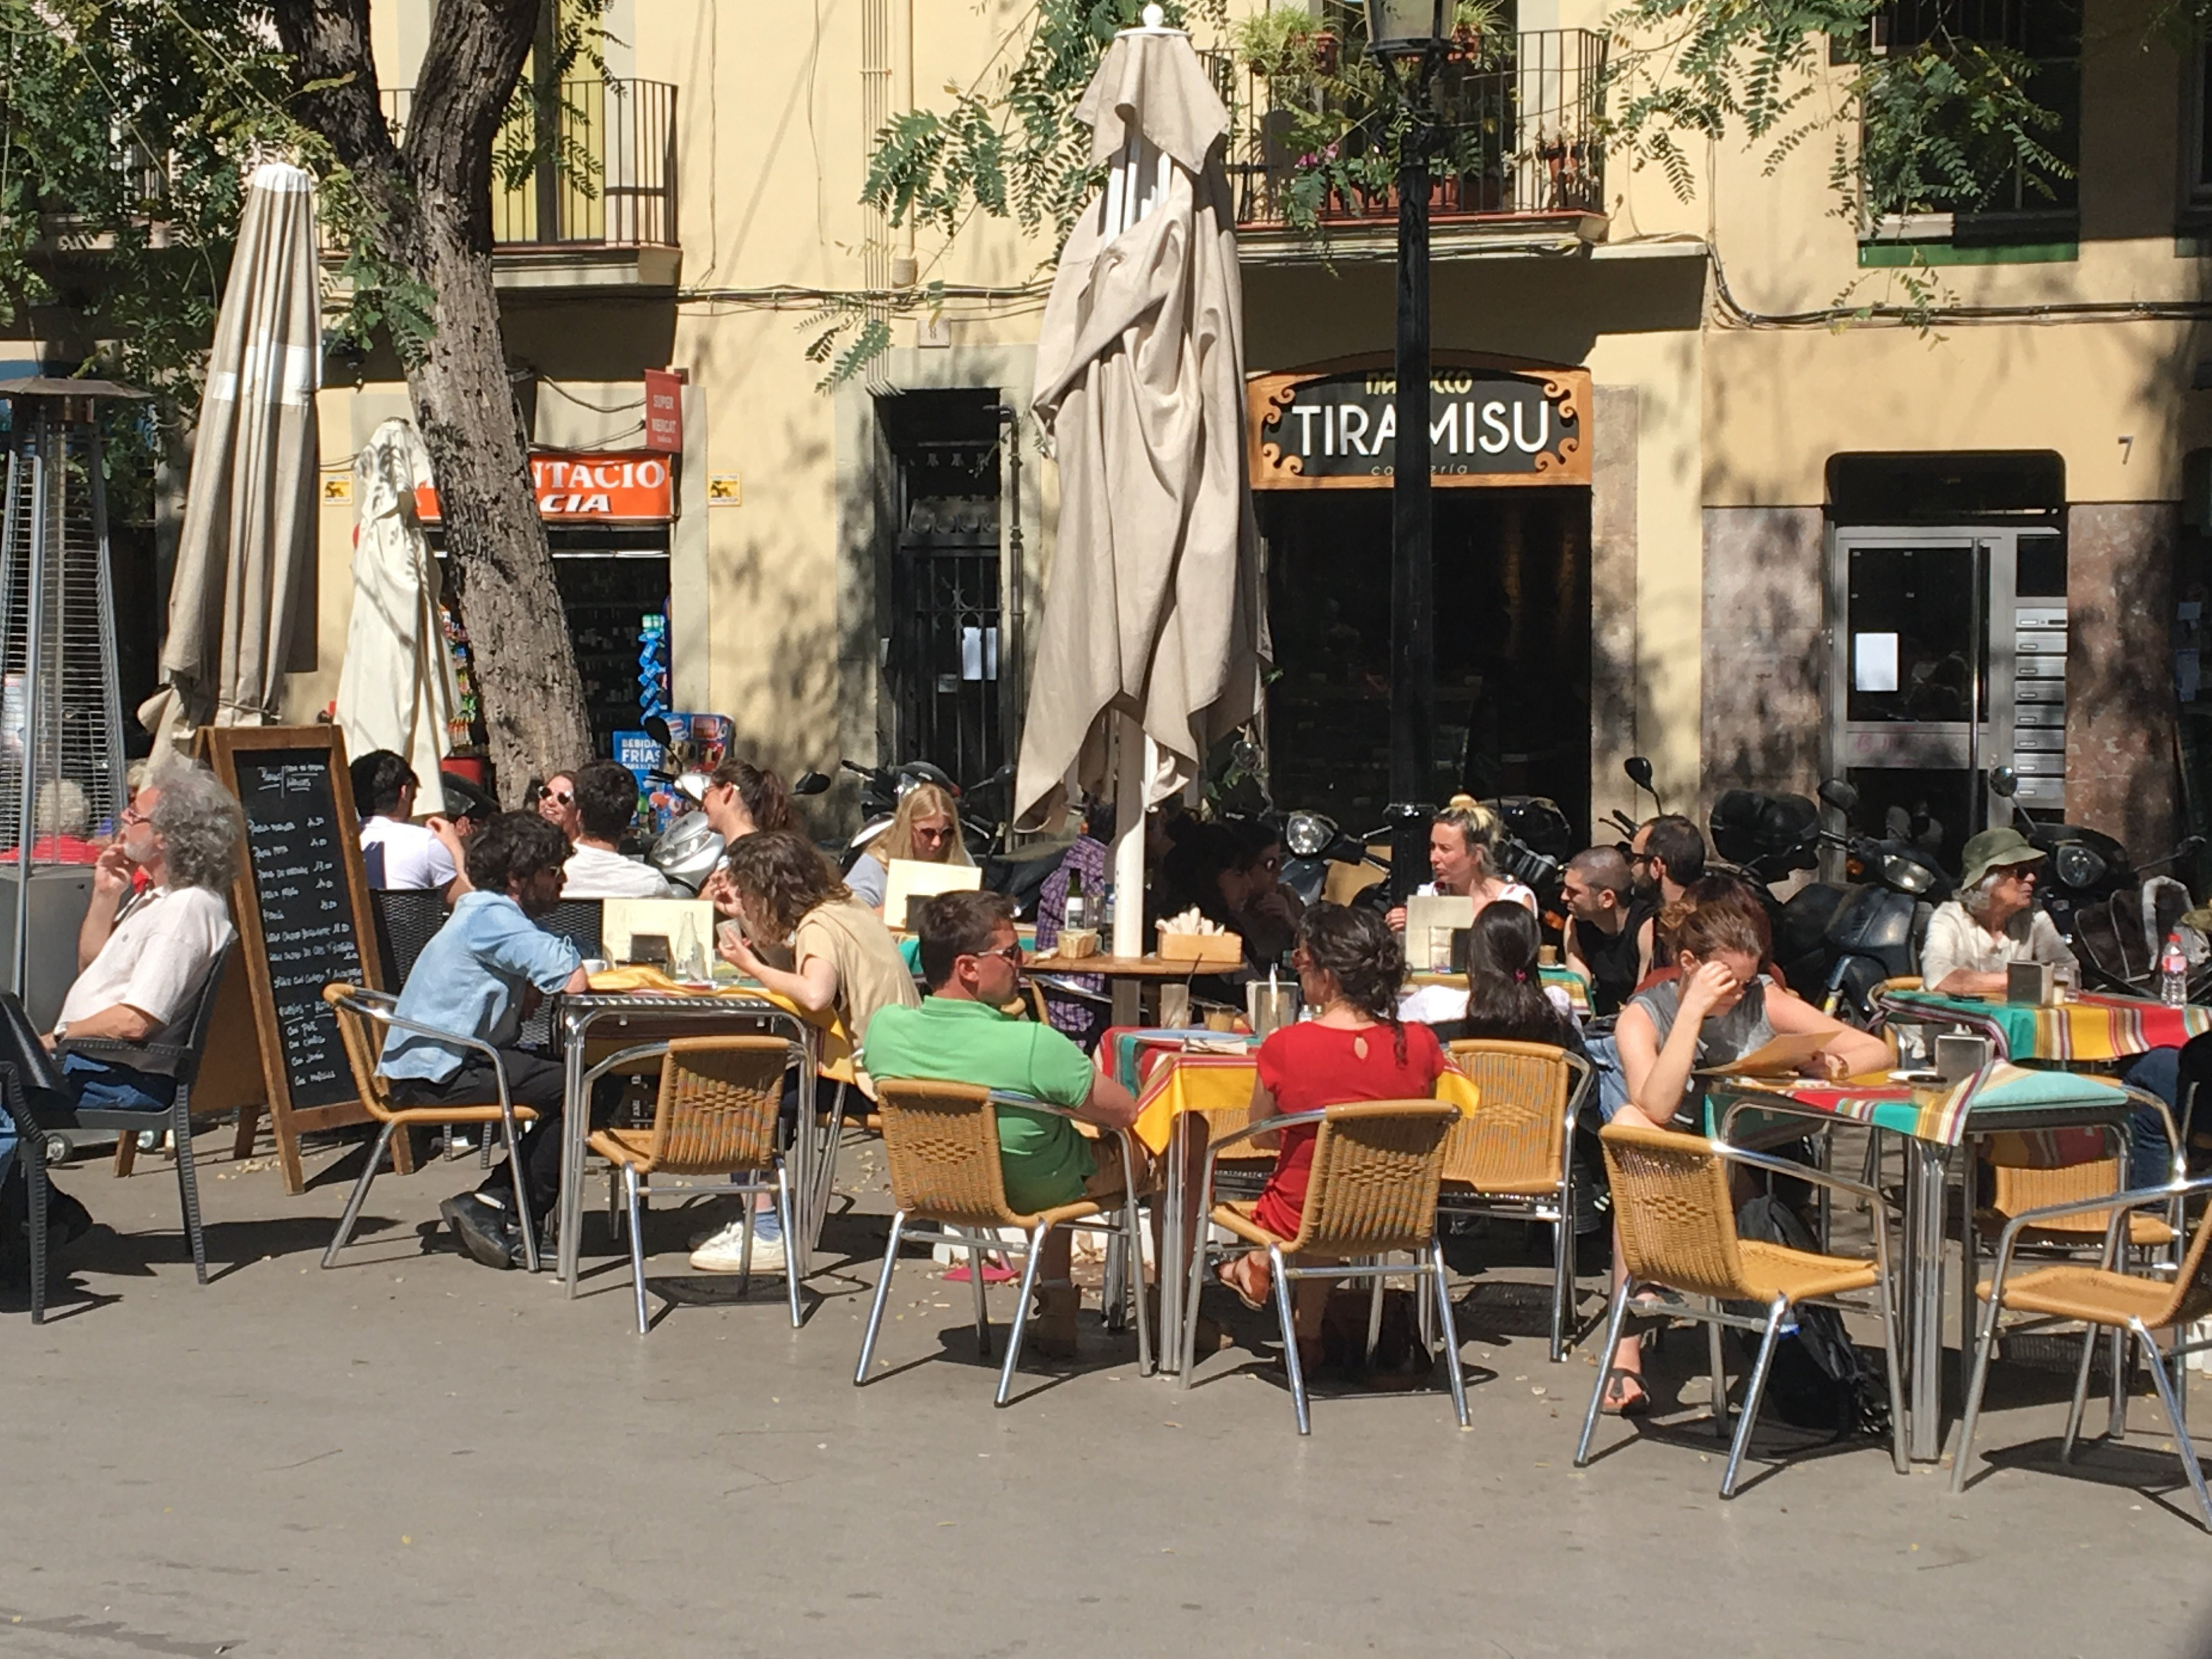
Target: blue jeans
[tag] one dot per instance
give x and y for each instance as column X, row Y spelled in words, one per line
column 100, row 1086
column 1611, row 1087
column 2150, row 1154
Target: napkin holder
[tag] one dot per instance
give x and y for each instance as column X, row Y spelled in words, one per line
column 1958, row 1058
column 2031, row 983
column 1203, row 949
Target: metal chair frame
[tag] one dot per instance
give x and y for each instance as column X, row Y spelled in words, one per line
column 1717, row 1318
column 381, row 1006
column 1374, row 1269
column 1126, row 1229
column 31, row 1146
column 638, row 1193
column 2172, row 1389
column 1458, row 1198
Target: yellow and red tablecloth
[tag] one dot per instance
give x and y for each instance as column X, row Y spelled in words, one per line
column 1217, row 1084
column 2091, row 1028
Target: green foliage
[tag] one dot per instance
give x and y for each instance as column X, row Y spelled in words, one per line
column 1948, row 122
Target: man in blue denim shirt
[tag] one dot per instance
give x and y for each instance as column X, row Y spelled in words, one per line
column 483, row 975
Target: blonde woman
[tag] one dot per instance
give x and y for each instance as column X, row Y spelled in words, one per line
column 1462, row 842
column 926, row 826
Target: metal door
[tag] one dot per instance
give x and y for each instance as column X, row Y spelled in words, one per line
column 1925, row 696
column 943, row 658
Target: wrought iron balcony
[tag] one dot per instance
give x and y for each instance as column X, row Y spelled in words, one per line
column 1522, row 121
column 604, row 175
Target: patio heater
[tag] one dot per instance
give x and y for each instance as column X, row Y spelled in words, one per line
column 61, row 717
column 1408, row 38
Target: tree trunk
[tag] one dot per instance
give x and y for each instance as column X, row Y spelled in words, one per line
column 432, row 200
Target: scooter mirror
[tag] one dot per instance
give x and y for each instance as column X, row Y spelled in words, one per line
column 809, row 782
column 2003, row 782
column 1839, row 794
column 657, row 729
column 1639, row 772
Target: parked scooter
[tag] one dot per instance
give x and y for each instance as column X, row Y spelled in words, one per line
column 2117, row 915
column 1314, row 843
column 882, row 788
column 687, row 852
column 1834, row 942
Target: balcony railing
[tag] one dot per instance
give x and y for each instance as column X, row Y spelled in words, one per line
column 605, row 173
column 1522, row 136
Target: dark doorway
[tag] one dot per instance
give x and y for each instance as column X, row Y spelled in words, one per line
column 1512, row 656
column 942, row 665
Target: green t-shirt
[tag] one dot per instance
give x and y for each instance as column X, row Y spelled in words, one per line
column 951, row 1039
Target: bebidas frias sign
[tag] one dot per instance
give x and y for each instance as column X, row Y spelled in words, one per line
column 1335, row 426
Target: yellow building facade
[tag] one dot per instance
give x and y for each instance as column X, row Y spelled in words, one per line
column 1787, row 541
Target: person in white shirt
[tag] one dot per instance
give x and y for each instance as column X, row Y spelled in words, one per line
column 413, row 855
column 142, row 958
column 607, row 801
column 1992, row 923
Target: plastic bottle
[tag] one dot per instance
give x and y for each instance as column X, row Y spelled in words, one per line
column 1078, row 909
column 2173, row 973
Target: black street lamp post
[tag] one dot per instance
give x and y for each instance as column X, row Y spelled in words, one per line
column 1413, row 31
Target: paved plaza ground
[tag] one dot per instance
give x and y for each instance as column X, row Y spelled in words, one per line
column 411, row 1454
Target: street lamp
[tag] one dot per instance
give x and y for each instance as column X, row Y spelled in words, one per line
column 1415, row 32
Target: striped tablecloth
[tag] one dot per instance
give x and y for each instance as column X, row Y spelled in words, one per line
column 2093, row 1027
column 1936, row 1113
column 1217, row 1084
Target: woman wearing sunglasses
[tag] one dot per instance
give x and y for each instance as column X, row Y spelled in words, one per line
column 556, row 803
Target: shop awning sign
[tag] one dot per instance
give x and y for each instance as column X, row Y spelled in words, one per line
column 605, row 487
column 1491, row 421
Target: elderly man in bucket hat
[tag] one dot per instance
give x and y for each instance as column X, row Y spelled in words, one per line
column 1993, row 922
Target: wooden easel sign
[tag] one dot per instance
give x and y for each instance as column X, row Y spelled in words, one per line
column 301, row 904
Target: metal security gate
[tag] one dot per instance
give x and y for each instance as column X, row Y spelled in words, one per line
column 941, row 665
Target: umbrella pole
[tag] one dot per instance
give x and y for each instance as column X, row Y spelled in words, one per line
column 1135, row 755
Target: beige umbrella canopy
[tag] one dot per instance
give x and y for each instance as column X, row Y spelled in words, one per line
column 1154, row 609
column 242, row 599
column 396, row 687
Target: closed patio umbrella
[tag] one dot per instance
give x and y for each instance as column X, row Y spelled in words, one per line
column 242, row 599
column 396, row 687
column 1153, row 613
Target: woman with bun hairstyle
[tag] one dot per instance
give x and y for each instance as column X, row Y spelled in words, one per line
column 1462, row 847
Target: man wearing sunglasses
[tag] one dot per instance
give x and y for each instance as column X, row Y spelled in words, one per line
column 971, row 958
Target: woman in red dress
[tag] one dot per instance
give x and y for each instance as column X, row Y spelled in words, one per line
column 1351, row 968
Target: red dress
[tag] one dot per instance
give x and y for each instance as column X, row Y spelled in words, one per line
column 1310, row 1065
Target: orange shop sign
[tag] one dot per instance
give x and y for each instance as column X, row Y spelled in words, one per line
column 625, row 486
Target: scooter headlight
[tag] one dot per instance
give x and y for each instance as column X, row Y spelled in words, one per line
column 1308, row 834
column 1906, row 875
column 2077, row 865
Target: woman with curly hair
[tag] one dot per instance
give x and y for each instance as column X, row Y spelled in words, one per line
column 1350, row 968
column 845, row 964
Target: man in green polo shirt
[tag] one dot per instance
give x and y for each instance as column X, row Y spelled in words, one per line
column 971, row 961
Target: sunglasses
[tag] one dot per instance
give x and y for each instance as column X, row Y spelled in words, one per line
column 1010, row 953
column 558, row 797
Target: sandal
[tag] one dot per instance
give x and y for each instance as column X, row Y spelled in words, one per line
column 1221, row 1276
column 1620, row 1403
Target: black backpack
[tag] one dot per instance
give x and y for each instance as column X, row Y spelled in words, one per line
column 1817, row 1379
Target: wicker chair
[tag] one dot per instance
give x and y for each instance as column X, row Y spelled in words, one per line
column 1513, row 1156
column 942, row 1141
column 1677, row 1230
column 1376, row 1168
column 716, row 1116
column 356, row 1010
column 2103, row 1300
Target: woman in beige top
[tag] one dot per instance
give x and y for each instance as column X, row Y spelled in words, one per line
column 844, row 961
column 844, row 965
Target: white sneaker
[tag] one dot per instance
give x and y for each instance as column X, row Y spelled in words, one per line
column 724, row 1253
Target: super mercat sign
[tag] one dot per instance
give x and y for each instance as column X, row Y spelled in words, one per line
column 1335, row 426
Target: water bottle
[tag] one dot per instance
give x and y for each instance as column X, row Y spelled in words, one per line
column 2173, row 973
column 1076, row 911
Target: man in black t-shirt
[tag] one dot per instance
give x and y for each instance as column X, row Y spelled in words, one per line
column 1608, row 929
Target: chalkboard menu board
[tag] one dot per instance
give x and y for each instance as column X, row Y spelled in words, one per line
column 303, row 908
column 295, row 843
